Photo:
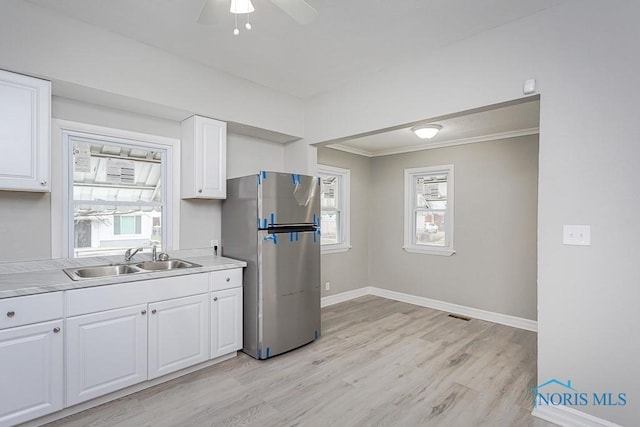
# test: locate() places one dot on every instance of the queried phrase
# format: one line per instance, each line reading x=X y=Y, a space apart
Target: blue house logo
x=569 y=396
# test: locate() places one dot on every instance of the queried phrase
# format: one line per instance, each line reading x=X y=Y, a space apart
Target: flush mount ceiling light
x=426 y=131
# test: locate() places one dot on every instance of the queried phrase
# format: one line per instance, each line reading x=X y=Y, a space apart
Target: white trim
x=409 y=210
x=430 y=250
x=432 y=145
x=569 y=417
x=345 y=208
x=344 y=296
x=334 y=249
x=351 y=150
x=476 y=313
x=60 y=195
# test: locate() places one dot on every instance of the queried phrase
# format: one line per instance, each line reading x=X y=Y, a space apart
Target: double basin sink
x=80 y=273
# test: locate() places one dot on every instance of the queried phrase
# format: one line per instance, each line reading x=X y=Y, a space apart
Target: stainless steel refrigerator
x=272 y=221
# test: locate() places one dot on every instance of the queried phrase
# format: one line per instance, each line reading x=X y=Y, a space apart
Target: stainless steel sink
x=171 y=264
x=80 y=273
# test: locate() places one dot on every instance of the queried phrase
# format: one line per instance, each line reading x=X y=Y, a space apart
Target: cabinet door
x=204 y=158
x=178 y=334
x=105 y=351
x=226 y=321
x=30 y=372
x=24 y=137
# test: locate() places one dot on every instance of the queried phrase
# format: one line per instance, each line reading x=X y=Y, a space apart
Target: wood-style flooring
x=378 y=363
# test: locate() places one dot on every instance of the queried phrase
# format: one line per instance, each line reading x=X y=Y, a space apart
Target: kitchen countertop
x=37 y=277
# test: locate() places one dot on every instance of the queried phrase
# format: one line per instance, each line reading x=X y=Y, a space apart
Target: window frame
x=410 y=209
x=63 y=133
x=344 y=201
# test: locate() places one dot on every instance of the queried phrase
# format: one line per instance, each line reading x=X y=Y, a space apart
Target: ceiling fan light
x=426 y=131
x=241 y=6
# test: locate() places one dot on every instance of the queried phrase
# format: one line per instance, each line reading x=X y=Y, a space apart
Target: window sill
x=429 y=251
x=334 y=249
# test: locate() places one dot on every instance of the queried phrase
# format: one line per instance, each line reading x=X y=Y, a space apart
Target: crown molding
x=433 y=145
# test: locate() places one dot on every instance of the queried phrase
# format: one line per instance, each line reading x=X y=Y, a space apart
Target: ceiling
x=348 y=39
x=514 y=119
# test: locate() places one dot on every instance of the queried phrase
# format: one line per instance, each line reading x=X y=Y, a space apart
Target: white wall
x=581 y=54
x=248 y=155
x=103 y=67
x=494 y=267
x=25 y=226
x=350 y=270
x=26 y=217
x=201 y=219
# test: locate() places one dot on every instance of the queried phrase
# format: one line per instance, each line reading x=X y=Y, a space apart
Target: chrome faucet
x=154 y=253
x=128 y=254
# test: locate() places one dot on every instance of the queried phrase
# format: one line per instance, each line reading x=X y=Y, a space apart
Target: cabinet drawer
x=225 y=279
x=29 y=309
x=109 y=297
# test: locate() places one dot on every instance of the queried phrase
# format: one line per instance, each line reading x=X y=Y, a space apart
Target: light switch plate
x=579 y=235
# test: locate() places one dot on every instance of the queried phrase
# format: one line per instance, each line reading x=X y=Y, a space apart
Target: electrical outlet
x=215 y=243
x=327 y=286
x=578 y=235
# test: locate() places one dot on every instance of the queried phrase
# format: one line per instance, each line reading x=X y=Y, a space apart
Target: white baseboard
x=476 y=313
x=344 y=296
x=569 y=417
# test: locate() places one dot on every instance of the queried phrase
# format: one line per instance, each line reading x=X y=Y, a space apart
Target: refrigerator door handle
x=299 y=228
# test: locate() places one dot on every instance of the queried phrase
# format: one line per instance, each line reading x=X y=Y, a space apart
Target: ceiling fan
x=213 y=11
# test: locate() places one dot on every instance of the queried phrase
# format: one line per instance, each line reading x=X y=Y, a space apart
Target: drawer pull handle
x=56 y=329
x=11 y=313
x=154 y=311
x=215 y=298
x=143 y=312
x=200 y=190
x=43 y=183
x=228 y=279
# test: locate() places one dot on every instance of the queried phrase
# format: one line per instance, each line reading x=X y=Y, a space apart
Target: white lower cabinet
x=106 y=351
x=226 y=321
x=31 y=372
x=115 y=336
x=178 y=334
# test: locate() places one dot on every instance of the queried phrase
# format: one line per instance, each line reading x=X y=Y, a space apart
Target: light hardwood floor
x=379 y=362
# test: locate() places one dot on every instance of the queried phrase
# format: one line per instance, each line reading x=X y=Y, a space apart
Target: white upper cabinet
x=204 y=158
x=25 y=115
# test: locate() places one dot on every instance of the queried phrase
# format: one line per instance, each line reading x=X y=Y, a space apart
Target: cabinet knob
x=200 y=190
x=56 y=329
x=11 y=313
x=215 y=298
x=154 y=311
x=143 y=312
x=228 y=279
x=43 y=183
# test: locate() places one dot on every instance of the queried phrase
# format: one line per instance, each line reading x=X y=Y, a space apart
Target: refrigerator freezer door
x=289 y=199
x=290 y=278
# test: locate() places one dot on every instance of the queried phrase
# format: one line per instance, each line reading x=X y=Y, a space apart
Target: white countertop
x=37 y=277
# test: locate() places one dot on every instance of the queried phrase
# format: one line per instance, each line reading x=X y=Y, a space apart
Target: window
x=117 y=197
x=428 y=224
x=127 y=224
x=334 y=209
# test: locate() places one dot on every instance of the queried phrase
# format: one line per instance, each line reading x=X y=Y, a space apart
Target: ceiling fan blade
x=212 y=12
x=299 y=10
